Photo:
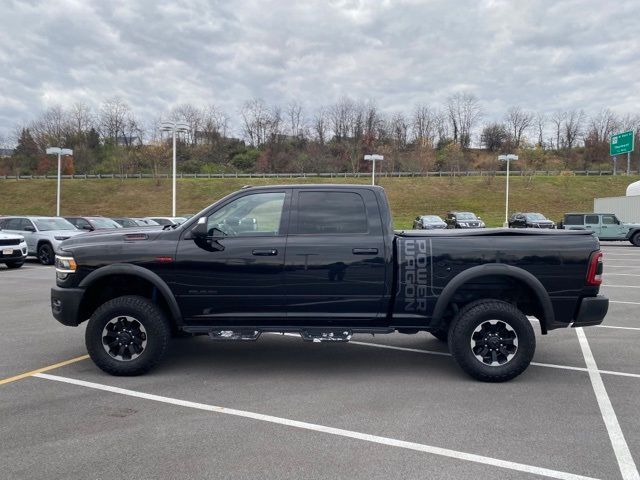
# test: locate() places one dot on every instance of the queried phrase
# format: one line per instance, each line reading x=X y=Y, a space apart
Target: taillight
x=594 y=273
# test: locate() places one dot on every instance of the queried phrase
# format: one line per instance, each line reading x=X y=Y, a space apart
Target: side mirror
x=200 y=229
x=87 y=227
x=29 y=228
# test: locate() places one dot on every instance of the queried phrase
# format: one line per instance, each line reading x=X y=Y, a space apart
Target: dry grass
x=408 y=197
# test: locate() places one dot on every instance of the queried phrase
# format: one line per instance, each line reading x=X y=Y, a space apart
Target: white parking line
x=606 y=274
x=620 y=286
x=627 y=466
x=392 y=442
x=615 y=326
x=626 y=303
x=537 y=364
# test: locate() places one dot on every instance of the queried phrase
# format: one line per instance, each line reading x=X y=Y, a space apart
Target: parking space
x=390 y=406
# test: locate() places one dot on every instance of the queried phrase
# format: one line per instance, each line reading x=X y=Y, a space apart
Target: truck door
x=592 y=223
x=611 y=228
x=235 y=275
x=335 y=265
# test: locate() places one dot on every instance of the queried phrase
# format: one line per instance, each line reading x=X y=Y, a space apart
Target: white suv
x=43 y=234
x=13 y=249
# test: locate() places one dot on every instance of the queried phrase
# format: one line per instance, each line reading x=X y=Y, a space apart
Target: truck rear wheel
x=127 y=336
x=492 y=340
x=636 y=239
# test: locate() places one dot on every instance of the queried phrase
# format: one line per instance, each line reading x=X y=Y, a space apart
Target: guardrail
x=470 y=173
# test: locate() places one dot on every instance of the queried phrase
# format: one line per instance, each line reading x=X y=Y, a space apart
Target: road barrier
x=470 y=173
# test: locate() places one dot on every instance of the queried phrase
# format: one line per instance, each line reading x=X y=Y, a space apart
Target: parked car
x=530 y=220
x=606 y=226
x=42 y=234
x=463 y=220
x=125 y=222
x=93 y=223
x=164 y=221
x=145 y=222
x=428 y=222
x=13 y=249
x=326 y=263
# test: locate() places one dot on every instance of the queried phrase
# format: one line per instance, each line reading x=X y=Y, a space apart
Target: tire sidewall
x=50 y=252
x=145 y=312
x=470 y=319
x=635 y=240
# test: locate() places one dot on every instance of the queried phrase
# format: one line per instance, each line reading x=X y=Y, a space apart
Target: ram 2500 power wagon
x=324 y=261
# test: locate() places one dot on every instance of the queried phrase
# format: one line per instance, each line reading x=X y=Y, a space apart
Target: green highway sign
x=621 y=143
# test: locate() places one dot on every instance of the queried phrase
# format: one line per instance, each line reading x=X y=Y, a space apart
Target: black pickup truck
x=324 y=261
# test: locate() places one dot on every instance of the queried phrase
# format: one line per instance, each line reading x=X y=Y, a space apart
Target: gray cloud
x=542 y=55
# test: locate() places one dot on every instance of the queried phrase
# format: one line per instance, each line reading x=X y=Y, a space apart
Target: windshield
x=535 y=216
x=46 y=224
x=103 y=223
x=466 y=216
x=431 y=219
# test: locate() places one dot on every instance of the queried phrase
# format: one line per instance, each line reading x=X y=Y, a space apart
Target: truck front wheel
x=636 y=239
x=127 y=336
x=492 y=340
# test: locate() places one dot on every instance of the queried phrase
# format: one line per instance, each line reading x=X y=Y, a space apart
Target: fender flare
x=496 y=269
x=136 y=271
x=631 y=233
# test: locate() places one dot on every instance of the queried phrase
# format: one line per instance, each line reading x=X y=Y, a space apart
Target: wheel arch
x=118 y=271
x=496 y=270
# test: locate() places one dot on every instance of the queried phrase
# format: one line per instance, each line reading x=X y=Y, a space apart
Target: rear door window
x=331 y=213
x=592 y=219
x=574 y=220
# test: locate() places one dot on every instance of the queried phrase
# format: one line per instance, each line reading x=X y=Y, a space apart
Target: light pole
x=174 y=127
x=373 y=158
x=60 y=152
x=508 y=159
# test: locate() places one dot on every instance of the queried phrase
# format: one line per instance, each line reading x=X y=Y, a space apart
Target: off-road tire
x=16 y=264
x=635 y=240
x=152 y=318
x=46 y=255
x=478 y=313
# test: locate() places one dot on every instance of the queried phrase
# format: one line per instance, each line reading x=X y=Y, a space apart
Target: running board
x=233 y=335
x=324 y=335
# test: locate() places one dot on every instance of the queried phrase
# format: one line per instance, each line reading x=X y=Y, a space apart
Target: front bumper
x=65 y=305
x=19 y=253
x=592 y=311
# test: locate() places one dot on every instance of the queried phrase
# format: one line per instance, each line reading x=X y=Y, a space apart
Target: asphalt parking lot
x=392 y=406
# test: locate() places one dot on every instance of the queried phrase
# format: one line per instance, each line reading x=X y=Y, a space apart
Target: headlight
x=463 y=224
x=65 y=265
x=481 y=224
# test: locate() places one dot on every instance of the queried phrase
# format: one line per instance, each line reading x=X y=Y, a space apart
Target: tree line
x=332 y=138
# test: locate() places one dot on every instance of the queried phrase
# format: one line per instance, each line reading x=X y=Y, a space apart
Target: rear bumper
x=592 y=311
x=65 y=305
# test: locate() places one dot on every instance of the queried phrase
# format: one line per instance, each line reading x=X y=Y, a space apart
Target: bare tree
x=572 y=128
x=255 y=119
x=81 y=118
x=113 y=116
x=541 y=123
x=340 y=118
x=192 y=116
x=464 y=112
x=518 y=121
x=423 y=126
x=51 y=128
x=295 y=119
x=557 y=119
x=320 y=126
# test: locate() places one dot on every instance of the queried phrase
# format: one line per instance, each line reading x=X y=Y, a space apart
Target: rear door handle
x=265 y=252
x=365 y=251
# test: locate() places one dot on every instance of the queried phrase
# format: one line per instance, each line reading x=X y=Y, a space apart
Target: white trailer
x=626 y=209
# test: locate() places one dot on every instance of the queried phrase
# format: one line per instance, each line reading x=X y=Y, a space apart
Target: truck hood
x=115 y=236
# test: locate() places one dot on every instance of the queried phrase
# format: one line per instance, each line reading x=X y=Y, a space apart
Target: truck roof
x=315 y=186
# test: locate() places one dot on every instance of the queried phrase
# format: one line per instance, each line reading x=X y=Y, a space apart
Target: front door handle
x=265 y=252
x=365 y=251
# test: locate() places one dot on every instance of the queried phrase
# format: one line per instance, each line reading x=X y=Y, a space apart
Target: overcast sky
x=541 y=55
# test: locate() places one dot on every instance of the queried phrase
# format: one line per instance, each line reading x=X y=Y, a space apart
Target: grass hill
x=408 y=197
